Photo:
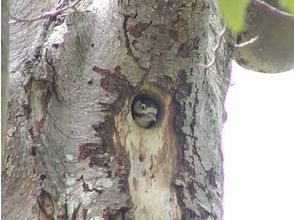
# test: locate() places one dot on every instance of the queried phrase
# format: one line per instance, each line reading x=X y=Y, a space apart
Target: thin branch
x=272 y=8
x=246 y=43
x=221 y=37
x=215 y=49
x=49 y=14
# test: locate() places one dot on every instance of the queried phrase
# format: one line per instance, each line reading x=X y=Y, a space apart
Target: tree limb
x=272 y=8
x=49 y=14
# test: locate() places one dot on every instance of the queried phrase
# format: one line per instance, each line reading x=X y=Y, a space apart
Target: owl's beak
x=152 y=117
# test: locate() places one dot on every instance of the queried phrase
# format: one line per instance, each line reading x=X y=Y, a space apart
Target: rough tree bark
x=73 y=149
x=4 y=69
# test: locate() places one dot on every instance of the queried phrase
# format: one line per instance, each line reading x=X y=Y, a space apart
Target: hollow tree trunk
x=74 y=150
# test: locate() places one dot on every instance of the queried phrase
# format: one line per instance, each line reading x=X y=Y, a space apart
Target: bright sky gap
x=258 y=146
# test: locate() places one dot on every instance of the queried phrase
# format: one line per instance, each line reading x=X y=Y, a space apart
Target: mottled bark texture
x=4 y=70
x=73 y=149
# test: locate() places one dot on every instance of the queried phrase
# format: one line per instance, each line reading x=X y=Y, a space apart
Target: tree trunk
x=4 y=70
x=74 y=150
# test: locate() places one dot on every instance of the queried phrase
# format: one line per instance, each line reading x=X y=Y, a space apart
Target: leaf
x=234 y=12
x=288 y=5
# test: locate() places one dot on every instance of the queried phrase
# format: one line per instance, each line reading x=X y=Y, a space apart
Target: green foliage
x=288 y=5
x=234 y=12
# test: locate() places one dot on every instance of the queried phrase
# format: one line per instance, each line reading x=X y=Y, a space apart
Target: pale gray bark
x=73 y=151
x=4 y=69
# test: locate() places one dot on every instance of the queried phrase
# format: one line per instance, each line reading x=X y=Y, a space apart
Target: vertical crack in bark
x=54 y=75
x=128 y=44
x=121 y=214
x=62 y=212
x=192 y=125
x=75 y=212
